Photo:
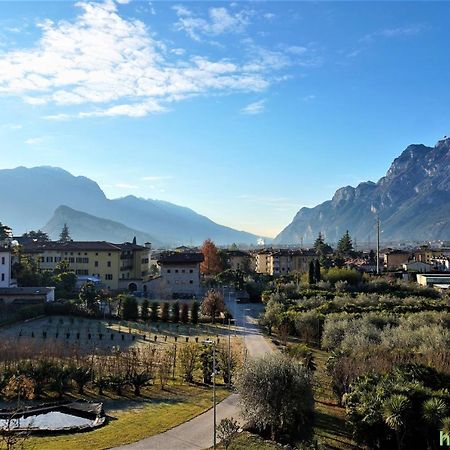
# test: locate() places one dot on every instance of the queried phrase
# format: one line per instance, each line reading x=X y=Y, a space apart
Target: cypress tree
x=317 y=276
x=154 y=313
x=311 y=272
x=194 y=312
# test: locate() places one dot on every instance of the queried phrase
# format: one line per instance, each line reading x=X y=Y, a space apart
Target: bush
x=276 y=395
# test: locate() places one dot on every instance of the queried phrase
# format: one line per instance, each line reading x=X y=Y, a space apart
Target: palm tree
x=434 y=411
x=395 y=411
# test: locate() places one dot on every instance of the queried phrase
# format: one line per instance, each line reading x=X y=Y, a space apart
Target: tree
x=344 y=248
x=130 y=308
x=36 y=236
x=227 y=362
x=176 y=312
x=211 y=264
x=65 y=235
x=184 y=313
x=88 y=295
x=165 y=312
x=154 y=312
x=213 y=304
x=145 y=310
x=194 y=312
x=317 y=275
x=276 y=394
x=5 y=232
x=188 y=357
x=311 y=278
x=65 y=284
x=207 y=360
x=81 y=375
x=226 y=431
x=395 y=411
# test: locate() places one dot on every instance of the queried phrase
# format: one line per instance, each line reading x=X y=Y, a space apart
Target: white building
x=5 y=268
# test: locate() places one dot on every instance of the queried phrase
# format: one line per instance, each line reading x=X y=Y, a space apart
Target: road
x=196 y=434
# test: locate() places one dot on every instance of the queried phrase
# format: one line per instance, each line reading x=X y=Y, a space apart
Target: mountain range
x=412 y=202
x=47 y=197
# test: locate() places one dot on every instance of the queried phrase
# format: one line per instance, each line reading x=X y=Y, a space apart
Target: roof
x=236 y=253
x=37 y=247
x=180 y=258
x=26 y=291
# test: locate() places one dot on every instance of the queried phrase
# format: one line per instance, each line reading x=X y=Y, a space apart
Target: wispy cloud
x=104 y=65
x=219 y=20
x=281 y=203
x=309 y=98
x=11 y=126
x=126 y=186
x=34 y=141
x=254 y=108
x=153 y=178
x=406 y=31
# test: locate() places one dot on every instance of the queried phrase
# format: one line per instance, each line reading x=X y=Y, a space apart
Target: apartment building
x=117 y=266
x=283 y=261
x=179 y=275
x=5 y=267
x=238 y=260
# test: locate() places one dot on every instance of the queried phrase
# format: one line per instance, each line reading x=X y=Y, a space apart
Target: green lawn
x=248 y=441
x=130 y=421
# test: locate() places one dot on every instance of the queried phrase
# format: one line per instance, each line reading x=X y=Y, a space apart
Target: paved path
x=196 y=434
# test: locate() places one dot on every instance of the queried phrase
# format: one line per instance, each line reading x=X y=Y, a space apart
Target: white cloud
x=126 y=186
x=309 y=98
x=34 y=141
x=219 y=21
x=103 y=65
x=394 y=32
x=254 y=108
x=123 y=2
x=154 y=178
x=11 y=126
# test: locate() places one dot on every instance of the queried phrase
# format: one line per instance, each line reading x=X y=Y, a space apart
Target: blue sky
x=243 y=111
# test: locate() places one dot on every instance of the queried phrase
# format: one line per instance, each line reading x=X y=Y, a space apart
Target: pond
x=69 y=417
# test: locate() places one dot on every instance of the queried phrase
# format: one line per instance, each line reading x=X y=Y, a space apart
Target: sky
x=242 y=111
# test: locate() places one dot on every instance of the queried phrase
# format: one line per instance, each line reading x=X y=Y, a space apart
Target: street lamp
x=229 y=351
x=245 y=330
x=210 y=342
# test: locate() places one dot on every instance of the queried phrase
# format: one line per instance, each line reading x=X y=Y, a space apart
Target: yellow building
x=117 y=266
x=283 y=261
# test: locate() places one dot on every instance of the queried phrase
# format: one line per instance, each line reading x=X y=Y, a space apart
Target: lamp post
x=210 y=342
x=229 y=351
x=245 y=331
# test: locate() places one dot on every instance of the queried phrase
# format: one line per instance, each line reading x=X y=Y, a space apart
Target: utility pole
x=214 y=396
x=378 y=245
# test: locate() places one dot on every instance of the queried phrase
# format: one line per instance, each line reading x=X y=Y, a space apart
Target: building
x=436 y=280
x=18 y=297
x=117 y=266
x=441 y=264
x=5 y=267
x=179 y=275
x=283 y=261
x=417 y=266
x=238 y=260
x=394 y=259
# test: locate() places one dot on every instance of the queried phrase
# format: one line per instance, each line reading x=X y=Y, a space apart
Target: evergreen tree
x=130 y=308
x=345 y=246
x=5 y=232
x=65 y=235
x=322 y=248
x=154 y=313
x=88 y=295
x=145 y=310
x=176 y=312
x=311 y=272
x=165 y=312
x=317 y=276
x=184 y=313
x=37 y=236
x=194 y=312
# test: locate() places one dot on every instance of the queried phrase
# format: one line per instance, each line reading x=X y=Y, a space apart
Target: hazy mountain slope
x=413 y=201
x=34 y=194
x=85 y=227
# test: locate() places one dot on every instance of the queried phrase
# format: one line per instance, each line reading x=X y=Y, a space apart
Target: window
x=168 y=270
x=71 y=260
x=191 y=282
x=42 y=259
x=183 y=271
x=176 y=270
x=3 y=260
x=82 y=272
x=96 y=264
x=108 y=276
x=109 y=264
x=109 y=254
x=3 y=277
x=191 y=270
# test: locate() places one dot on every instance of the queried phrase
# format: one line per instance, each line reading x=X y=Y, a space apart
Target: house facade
x=5 y=268
x=116 y=266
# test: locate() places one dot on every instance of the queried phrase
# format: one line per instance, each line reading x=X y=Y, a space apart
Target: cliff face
x=413 y=201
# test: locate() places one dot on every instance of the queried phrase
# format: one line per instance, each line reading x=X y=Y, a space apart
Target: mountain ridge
x=412 y=200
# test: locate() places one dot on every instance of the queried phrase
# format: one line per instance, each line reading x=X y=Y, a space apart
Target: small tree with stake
x=226 y=431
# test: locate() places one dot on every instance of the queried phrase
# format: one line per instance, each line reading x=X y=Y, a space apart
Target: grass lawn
x=130 y=421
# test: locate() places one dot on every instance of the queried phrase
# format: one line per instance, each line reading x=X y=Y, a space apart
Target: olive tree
x=276 y=395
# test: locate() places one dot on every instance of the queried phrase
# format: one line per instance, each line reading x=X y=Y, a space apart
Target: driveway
x=197 y=434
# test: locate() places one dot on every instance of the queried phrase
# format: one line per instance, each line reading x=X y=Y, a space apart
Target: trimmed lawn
x=130 y=421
